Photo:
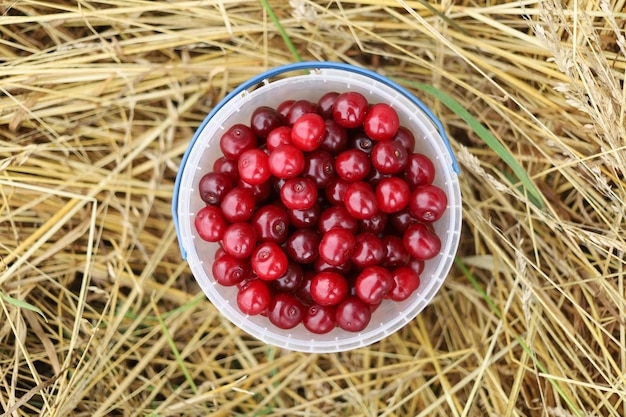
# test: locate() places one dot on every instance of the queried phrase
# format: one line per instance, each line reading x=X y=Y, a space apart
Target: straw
x=99 y=314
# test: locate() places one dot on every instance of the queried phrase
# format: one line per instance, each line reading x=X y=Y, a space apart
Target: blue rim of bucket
x=313 y=65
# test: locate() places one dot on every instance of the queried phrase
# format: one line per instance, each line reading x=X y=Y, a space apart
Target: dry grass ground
x=100 y=317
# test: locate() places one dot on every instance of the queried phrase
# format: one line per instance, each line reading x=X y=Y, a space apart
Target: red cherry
x=238 y=205
x=392 y=194
x=405 y=282
x=213 y=186
x=428 y=203
x=303 y=245
x=239 y=240
x=254 y=297
x=271 y=223
x=360 y=200
x=349 y=109
x=353 y=314
x=291 y=279
x=352 y=165
x=328 y=288
x=268 y=261
x=406 y=138
x=228 y=270
x=237 y=139
x=307 y=132
x=285 y=311
x=373 y=283
x=298 y=193
x=264 y=119
x=210 y=224
x=389 y=157
x=253 y=166
x=325 y=104
x=319 y=319
x=368 y=250
x=420 y=242
x=286 y=161
x=420 y=170
x=319 y=166
x=279 y=136
x=298 y=109
x=337 y=217
x=381 y=122
x=336 y=246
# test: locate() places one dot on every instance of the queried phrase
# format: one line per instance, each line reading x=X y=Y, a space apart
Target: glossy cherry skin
x=381 y=122
x=304 y=218
x=239 y=240
x=303 y=292
x=253 y=166
x=238 y=205
x=368 y=250
x=428 y=203
x=264 y=119
x=352 y=314
x=325 y=104
x=254 y=297
x=349 y=109
x=420 y=242
x=336 y=246
x=237 y=139
x=406 y=138
x=373 y=283
x=336 y=190
x=319 y=319
x=360 y=200
x=298 y=193
x=303 y=245
x=271 y=223
x=260 y=192
x=228 y=270
x=307 y=132
x=213 y=186
x=285 y=311
x=420 y=170
x=286 y=161
x=405 y=282
x=298 y=109
x=269 y=261
x=395 y=252
x=392 y=194
x=319 y=166
x=335 y=137
x=401 y=220
x=389 y=157
x=291 y=279
x=359 y=140
x=352 y=165
x=375 y=224
x=224 y=165
x=337 y=217
x=279 y=136
x=283 y=109
x=210 y=224
x=329 y=288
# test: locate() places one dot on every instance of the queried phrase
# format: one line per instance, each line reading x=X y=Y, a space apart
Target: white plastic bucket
x=309 y=81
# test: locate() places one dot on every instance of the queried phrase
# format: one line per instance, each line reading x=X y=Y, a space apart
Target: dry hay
x=99 y=315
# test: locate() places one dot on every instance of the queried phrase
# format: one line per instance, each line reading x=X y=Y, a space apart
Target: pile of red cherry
x=322 y=210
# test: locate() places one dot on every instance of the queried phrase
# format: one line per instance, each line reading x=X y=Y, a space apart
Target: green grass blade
x=281 y=30
x=485 y=135
x=175 y=351
x=22 y=304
